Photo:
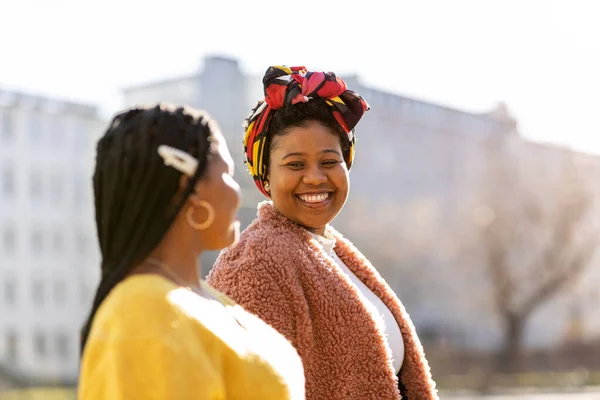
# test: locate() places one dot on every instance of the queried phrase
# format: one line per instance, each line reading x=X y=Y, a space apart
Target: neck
x=316 y=231
x=183 y=264
x=177 y=253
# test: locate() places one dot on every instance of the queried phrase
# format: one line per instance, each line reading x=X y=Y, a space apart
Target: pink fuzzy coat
x=279 y=272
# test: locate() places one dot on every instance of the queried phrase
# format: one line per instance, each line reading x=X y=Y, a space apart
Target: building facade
x=418 y=166
x=48 y=251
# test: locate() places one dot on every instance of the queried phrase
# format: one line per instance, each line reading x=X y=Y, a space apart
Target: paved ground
x=590 y=395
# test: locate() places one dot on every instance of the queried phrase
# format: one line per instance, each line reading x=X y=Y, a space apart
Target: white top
x=381 y=313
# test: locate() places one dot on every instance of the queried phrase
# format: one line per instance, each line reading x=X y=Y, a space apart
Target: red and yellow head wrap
x=285 y=86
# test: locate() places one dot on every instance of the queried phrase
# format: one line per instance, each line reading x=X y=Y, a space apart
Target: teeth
x=314 y=198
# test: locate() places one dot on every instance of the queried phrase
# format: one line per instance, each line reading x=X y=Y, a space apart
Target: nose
x=314 y=176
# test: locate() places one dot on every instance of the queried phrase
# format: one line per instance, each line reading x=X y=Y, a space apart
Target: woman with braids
x=296 y=272
x=164 y=192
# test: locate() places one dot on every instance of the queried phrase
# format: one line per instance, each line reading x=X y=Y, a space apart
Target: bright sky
x=542 y=57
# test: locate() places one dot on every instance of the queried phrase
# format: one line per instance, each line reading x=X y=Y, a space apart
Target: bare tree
x=534 y=233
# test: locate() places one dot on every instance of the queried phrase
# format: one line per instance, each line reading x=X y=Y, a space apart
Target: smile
x=315 y=198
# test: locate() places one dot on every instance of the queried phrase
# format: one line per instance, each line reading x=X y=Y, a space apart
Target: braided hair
x=136 y=195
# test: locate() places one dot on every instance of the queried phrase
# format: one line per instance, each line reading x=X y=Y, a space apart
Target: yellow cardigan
x=152 y=339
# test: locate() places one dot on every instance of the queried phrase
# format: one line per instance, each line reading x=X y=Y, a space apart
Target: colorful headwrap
x=285 y=86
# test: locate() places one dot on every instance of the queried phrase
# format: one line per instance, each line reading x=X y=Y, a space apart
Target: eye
x=330 y=163
x=295 y=165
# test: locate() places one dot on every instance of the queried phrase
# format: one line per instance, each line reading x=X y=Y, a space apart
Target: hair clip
x=178 y=159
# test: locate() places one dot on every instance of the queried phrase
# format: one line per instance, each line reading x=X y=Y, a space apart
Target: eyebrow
x=302 y=154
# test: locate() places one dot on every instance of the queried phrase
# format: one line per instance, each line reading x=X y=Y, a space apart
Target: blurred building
x=418 y=168
x=418 y=165
x=415 y=146
x=48 y=254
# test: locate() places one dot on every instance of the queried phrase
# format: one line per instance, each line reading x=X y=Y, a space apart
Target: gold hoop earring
x=209 y=220
x=266 y=185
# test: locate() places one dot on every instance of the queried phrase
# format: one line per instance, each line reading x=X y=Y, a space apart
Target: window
x=6 y=125
x=35 y=185
x=84 y=294
x=40 y=345
x=37 y=242
x=56 y=189
x=57 y=130
x=10 y=292
x=82 y=243
x=8 y=181
x=35 y=128
x=9 y=240
x=37 y=291
x=79 y=189
x=62 y=346
x=12 y=347
x=58 y=242
x=60 y=293
x=79 y=135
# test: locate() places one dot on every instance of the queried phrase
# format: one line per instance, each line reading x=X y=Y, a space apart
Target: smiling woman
x=307 y=177
x=295 y=271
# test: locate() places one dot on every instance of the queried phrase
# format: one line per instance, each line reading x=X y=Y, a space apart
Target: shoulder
x=145 y=344
x=358 y=263
x=264 y=241
x=270 y=242
x=126 y=311
x=345 y=246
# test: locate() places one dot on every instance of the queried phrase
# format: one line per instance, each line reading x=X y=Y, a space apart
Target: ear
x=200 y=192
x=193 y=198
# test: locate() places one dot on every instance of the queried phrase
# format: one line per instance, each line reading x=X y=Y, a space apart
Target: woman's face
x=218 y=188
x=308 y=178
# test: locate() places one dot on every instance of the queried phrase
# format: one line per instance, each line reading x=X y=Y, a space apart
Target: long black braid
x=135 y=193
